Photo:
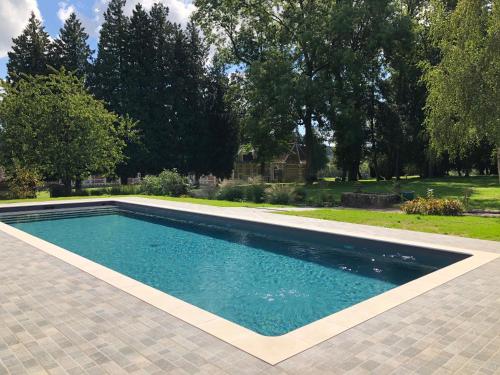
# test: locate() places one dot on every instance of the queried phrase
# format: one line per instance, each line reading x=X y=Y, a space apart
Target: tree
x=189 y=84
x=219 y=142
x=52 y=125
x=281 y=46
x=304 y=67
x=160 y=135
x=462 y=105
x=71 y=49
x=109 y=75
x=30 y=51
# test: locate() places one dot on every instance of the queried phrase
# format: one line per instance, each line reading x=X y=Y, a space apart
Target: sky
x=14 y=16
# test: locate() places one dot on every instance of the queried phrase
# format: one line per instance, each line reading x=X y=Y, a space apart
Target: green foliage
x=433 y=206
x=23 y=182
x=58 y=190
x=109 y=73
x=156 y=72
x=30 y=51
x=462 y=105
x=280 y=194
x=231 y=192
x=52 y=124
x=301 y=65
x=70 y=49
x=255 y=192
x=168 y=182
x=466 y=197
x=323 y=199
x=466 y=226
x=300 y=194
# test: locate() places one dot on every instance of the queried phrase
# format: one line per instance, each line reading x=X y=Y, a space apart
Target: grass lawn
x=486 y=190
x=466 y=226
x=44 y=196
x=485 y=228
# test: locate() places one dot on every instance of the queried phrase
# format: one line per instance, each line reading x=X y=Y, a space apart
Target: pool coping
x=269 y=349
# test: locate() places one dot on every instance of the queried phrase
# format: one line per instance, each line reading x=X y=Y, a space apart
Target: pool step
x=56 y=214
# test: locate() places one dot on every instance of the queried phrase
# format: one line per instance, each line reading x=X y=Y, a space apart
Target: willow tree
x=464 y=87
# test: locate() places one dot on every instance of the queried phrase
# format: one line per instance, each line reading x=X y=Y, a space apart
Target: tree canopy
x=51 y=124
x=30 y=51
x=393 y=87
x=462 y=105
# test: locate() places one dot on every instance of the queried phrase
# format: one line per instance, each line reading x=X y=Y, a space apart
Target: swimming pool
x=269 y=279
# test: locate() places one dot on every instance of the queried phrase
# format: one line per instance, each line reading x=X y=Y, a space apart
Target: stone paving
x=57 y=319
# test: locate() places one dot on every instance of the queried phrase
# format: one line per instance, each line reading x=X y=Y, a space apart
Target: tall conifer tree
x=163 y=142
x=190 y=55
x=30 y=51
x=108 y=80
x=137 y=88
x=71 y=49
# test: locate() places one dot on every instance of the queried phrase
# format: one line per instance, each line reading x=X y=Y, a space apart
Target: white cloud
x=65 y=11
x=14 y=15
x=179 y=12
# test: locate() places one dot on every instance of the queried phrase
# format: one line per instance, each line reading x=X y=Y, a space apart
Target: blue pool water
x=268 y=284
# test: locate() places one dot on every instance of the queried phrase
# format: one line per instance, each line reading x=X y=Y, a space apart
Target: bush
x=255 y=192
x=323 y=199
x=433 y=206
x=168 y=182
x=231 y=192
x=98 y=192
x=57 y=190
x=125 y=190
x=280 y=194
x=300 y=194
x=205 y=192
x=23 y=183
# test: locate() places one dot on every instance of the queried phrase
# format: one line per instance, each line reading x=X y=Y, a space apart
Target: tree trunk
x=353 y=171
x=78 y=184
x=67 y=186
x=309 y=143
x=263 y=171
x=397 y=167
x=498 y=163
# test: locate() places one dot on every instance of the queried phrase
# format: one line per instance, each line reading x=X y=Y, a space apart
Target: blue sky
x=14 y=15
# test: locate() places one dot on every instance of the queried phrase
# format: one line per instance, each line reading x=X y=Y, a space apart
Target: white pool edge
x=269 y=349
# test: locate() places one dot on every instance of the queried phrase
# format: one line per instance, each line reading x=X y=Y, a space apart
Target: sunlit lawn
x=486 y=228
x=485 y=189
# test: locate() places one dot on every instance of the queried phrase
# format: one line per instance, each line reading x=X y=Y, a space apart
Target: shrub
x=168 y=182
x=23 y=183
x=433 y=206
x=466 y=198
x=57 y=190
x=323 y=199
x=280 y=194
x=299 y=194
x=255 y=192
x=99 y=192
x=205 y=192
x=231 y=192
x=125 y=189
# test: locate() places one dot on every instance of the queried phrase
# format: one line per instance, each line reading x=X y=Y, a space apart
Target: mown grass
x=486 y=228
x=485 y=189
